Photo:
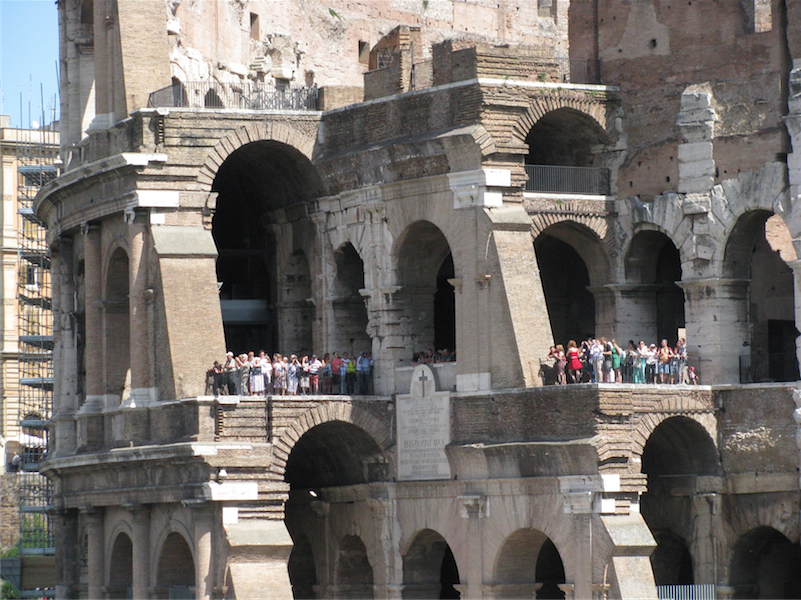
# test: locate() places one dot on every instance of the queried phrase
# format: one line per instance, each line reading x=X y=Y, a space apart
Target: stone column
x=203 y=517
x=65 y=355
x=718 y=329
x=605 y=312
x=67 y=558
x=578 y=498
x=473 y=508
x=704 y=544
x=696 y=121
x=635 y=314
x=93 y=360
x=389 y=582
x=141 y=552
x=143 y=391
x=95 y=553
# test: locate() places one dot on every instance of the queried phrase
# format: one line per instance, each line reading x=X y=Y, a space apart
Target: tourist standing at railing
x=651 y=360
x=256 y=377
x=279 y=375
x=574 y=365
x=617 y=354
x=229 y=373
x=336 y=374
x=326 y=374
x=364 y=367
x=304 y=376
x=664 y=354
x=344 y=363
x=266 y=372
x=292 y=375
x=350 y=376
x=681 y=361
x=314 y=374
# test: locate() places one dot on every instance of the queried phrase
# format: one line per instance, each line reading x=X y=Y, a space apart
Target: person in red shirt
x=336 y=378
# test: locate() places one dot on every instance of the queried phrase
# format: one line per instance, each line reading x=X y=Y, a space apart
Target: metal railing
x=686 y=592
x=764 y=368
x=249 y=96
x=579 y=70
x=567 y=180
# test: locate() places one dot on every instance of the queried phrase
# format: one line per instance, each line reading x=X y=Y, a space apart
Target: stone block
x=696 y=204
x=694 y=152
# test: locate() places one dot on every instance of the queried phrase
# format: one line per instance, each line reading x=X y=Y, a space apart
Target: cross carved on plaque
x=423 y=378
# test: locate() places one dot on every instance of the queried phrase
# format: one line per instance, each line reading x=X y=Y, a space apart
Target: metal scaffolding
x=37 y=156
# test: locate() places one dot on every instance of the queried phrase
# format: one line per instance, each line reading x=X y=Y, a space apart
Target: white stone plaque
x=424 y=429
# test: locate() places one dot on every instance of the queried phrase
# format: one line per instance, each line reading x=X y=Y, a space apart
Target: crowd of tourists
x=604 y=361
x=259 y=375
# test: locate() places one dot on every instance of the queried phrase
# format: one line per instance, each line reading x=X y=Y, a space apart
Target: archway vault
x=253 y=132
x=595 y=109
x=329 y=412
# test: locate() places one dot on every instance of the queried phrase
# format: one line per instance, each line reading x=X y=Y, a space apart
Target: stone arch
x=353 y=573
x=120 y=566
x=652 y=267
x=253 y=132
x=349 y=309
x=429 y=567
x=528 y=564
x=539 y=106
x=342 y=420
x=755 y=259
x=684 y=408
x=573 y=268
x=423 y=264
x=175 y=564
x=765 y=564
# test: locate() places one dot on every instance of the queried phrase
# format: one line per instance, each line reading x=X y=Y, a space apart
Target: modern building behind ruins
x=393 y=176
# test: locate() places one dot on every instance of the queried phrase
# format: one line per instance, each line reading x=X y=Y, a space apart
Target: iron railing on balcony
x=686 y=592
x=579 y=70
x=567 y=180
x=764 y=368
x=249 y=96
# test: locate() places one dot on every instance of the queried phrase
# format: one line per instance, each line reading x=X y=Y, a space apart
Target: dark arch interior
x=766 y=564
x=335 y=454
x=564 y=137
x=529 y=557
x=254 y=181
x=679 y=446
x=654 y=260
x=676 y=451
x=354 y=574
x=671 y=560
x=117 y=329
x=565 y=279
x=350 y=311
x=771 y=303
x=302 y=572
x=175 y=573
x=429 y=568
x=121 y=568
x=425 y=264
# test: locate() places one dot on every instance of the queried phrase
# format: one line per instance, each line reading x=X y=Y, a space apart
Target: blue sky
x=28 y=59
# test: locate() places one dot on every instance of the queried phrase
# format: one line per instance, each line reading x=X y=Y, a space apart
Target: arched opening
x=212 y=100
x=262 y=267
x=116 y=330
x=676 y=453
x=425 y=265
x=765 y=564
x=354 y=575
x=757 y=251
x=562 y=154
x=429 y=568
x=671 y=560
x=175 y=573
x=529 y=566
x=350 y=311
x=572 y=267
x=655 y=301
x=302 y=572
x=120 y=580
x=335 y=453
